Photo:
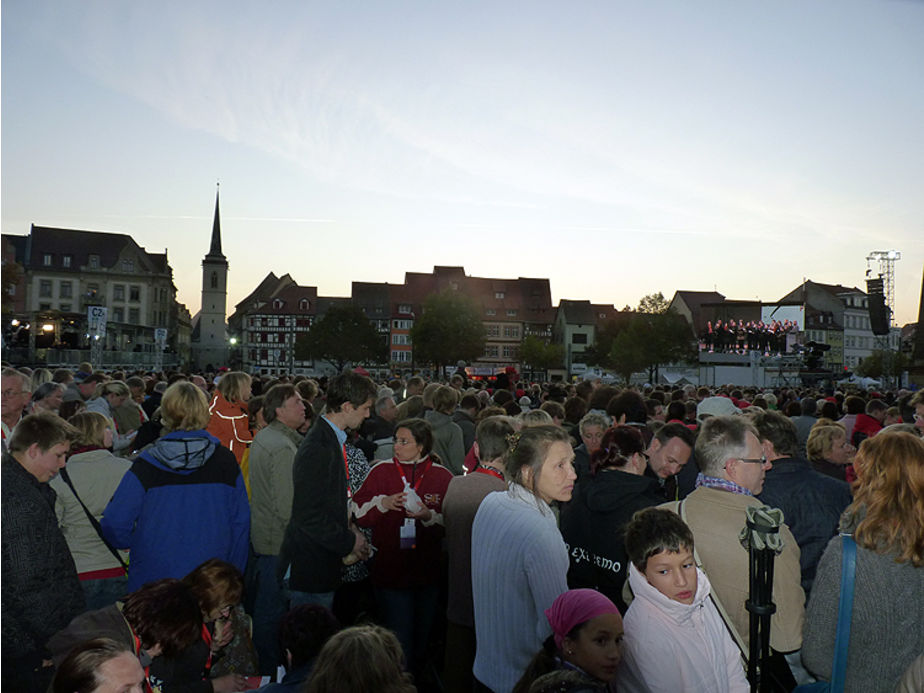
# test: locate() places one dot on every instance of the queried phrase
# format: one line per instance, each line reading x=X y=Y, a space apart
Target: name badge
x=409 y=534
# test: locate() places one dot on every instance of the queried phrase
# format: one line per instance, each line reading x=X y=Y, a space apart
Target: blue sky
x=617 y=148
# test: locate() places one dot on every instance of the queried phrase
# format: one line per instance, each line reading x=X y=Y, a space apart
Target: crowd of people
x=208 y=532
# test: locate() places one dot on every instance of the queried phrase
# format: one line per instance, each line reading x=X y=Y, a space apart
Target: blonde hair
x=91 y=427
x=889 y=496
x=113 y=387
x=184 y=407
x=821 y=438
x=234 y=385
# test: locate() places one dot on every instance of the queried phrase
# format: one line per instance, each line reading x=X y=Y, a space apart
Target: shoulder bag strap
x=93 y=521
x=844 y=612
x=729 y=626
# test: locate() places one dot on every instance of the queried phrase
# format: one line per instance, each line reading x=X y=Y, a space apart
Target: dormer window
x=404 y=308
x=304 y=304
x=278 y=303
x=128 y=265
x=46 y=259
x=94 y=262
x=499 y=295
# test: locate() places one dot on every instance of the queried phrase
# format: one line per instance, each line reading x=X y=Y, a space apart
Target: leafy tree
x=540 y=354
x=653 y=303
x=883 y=363
x=344 y=335
x=641 y=341
x=449 y=330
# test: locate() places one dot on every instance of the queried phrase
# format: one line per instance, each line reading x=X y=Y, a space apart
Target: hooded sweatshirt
x=182 y=502
x=592 y=525
x=670 y=646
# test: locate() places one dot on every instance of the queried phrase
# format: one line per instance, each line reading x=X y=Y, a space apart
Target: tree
x=449 y=330
x=883 y=363
x=540 y=355
x=653 y=303
x=344 y=335
x=641 y=341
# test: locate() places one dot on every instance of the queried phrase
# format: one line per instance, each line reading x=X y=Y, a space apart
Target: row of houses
x=52 y=276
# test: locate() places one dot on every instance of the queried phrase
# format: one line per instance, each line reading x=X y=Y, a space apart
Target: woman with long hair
x=515 y=536
x=886 y=520
x=402 y=501
x=86 y=484
x=228 y=417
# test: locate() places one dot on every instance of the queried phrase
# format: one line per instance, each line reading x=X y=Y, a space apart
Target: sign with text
x=96 y=320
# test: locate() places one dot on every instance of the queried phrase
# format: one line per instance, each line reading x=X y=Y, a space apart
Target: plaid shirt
x=721 y=484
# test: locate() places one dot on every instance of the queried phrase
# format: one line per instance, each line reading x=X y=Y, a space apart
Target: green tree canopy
x=540 y=355
x=640 y=341
x=449 y=330
x=344 y=335
x=653 y=303
x=882 y=363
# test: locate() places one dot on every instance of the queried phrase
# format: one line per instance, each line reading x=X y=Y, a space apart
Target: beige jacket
x=716 y=518
x=272 y=454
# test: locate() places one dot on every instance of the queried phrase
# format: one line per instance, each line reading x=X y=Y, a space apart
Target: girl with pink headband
x=586 y=638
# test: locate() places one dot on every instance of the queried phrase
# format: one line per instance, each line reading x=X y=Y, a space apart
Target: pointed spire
x=215 y=249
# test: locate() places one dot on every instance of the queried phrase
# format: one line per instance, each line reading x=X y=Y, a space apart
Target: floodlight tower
x=886 y=260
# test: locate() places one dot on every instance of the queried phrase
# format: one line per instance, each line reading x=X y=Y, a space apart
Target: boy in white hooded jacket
x=675 y=639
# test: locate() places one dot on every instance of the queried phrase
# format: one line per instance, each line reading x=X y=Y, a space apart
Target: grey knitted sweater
x=887 y=628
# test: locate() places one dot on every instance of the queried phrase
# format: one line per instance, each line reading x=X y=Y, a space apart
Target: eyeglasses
x=13 y=393
x=404 y=441
x=754 y=460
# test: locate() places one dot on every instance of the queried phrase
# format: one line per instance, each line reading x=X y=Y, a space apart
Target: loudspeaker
x=878 y=313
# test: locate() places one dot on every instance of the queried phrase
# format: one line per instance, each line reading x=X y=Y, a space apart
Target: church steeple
x=215 y=249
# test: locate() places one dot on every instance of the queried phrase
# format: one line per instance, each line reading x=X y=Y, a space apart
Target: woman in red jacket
x=228 y=417
x=402 y=501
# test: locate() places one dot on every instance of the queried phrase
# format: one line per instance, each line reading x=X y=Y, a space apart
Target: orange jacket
x=229 y=422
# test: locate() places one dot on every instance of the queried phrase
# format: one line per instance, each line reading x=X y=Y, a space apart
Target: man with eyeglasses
x=811 y=502
x=16 y=395
x=733 y=466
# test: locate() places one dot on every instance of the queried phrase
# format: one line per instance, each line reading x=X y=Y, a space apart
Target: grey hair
x=722 y=438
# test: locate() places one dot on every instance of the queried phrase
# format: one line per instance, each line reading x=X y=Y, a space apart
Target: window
x=491 y=350
x=277 y=304
x=118 y=292
x=303 y=304
x=46 y=259
x=134 y=293
x=511 y=331
x=490 y=311
x=92 y=290
x=401 y=339
x=499 y=295
x=134 y=316
x=401 y=356
x=66 y=260
x=94 y=262
x=404 y=308
x=128 y=265
x=118 y=315
x=44 y=306
x=510 y=352
x=45 y=288
x=65 y=308
x=493 y=330
x=402 y=324
x=511 y=312
x=579 y=338
x=65 y=290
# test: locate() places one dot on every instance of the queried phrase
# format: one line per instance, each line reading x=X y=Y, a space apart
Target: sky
x=617 y=148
